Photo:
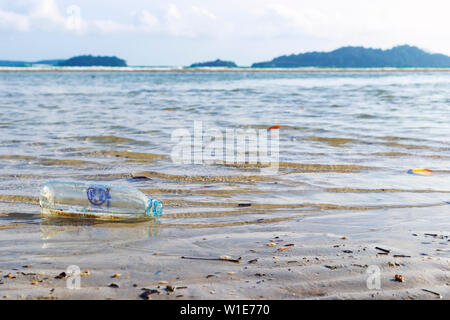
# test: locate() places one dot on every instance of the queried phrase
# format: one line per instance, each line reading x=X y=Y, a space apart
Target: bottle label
x=98 y=195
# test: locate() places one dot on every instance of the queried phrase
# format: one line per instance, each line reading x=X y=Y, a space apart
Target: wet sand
x=308 y=257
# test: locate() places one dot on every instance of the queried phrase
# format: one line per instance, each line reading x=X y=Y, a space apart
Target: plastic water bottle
x=98 y=201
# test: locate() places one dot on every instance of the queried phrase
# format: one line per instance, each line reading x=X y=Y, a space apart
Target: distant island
x=90 y=61
x=79 y=61
x=216 y=63
x=359 y=57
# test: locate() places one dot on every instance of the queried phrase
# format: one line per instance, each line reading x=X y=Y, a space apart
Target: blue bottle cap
x=154 y=208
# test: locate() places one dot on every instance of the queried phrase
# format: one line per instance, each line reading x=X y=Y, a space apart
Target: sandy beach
x=324 y=257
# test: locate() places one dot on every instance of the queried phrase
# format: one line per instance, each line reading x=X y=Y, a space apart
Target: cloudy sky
x=175 y=32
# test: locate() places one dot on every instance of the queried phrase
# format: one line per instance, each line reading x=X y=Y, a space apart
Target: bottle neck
x=154 y=208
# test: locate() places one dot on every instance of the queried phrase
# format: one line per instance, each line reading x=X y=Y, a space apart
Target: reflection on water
x=54 y=230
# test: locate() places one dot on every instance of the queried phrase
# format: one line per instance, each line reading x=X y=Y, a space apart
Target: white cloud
x=110 y=26
x=13 y=20
x=173 y=13
x=48 y=10
x=203 y=12
x=147 y=19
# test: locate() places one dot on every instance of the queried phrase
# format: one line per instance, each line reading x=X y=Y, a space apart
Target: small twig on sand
x=435 y=293
x=401 y=256
x=225 y=258
x=384 y=250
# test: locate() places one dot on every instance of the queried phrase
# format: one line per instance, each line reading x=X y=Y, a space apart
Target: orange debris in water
x=278 y=126
x=423 y=172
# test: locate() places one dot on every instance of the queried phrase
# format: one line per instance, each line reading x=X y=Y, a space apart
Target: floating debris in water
x=278 y=126
x=244 y=205
x=422 y=172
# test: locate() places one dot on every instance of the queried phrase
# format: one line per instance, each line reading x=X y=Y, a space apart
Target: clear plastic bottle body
x=96 y=201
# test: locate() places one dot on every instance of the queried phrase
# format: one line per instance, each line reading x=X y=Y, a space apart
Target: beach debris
x=384 y=250
x=170 y=288
x=62 y=275
x=27 y=266
x=422 y=172
x=210 y=276
x=360 y=265
x=116 y=275
x=113 y=285
x=85 y=273
x=334 y=267
x=34 y=283
x=147 y=293
x=212 y=292
x=222 y=258
x=286 y=247
x=138 y=177
x=163 y=282
x=271 y=244
x=399 y=278
x=394 y=264
x=432 y=292
x=401 y=256
x=244 y=204
x=180 y=288
x=231 y=273
x=347 y=251
x=344 y=238
x=253 y=261
x=278 y=126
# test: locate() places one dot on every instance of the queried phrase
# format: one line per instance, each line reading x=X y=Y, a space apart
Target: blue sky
x=245 y=31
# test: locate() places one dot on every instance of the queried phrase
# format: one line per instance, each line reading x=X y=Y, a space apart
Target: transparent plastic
x=98 y=201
